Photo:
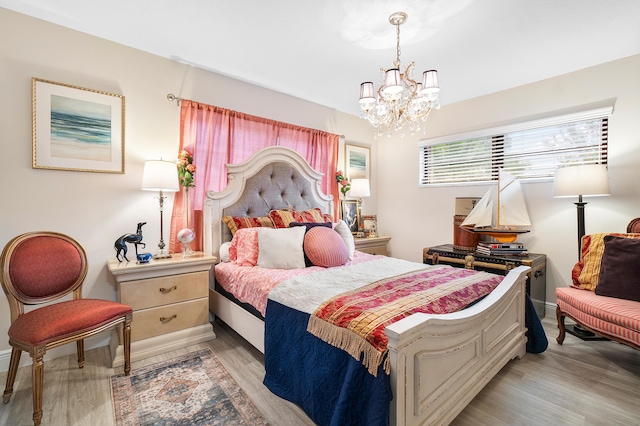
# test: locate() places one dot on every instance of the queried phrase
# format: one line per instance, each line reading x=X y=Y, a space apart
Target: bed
x=437 y=363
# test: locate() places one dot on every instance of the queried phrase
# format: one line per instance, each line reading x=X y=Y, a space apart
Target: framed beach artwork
x=357 y=162
x=76 y=128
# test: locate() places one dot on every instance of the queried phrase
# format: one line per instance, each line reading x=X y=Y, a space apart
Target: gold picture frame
x=76 y=129
x=370 y=225
x=351 y=215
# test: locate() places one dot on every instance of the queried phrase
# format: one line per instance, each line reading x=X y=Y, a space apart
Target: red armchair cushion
x=54 y=322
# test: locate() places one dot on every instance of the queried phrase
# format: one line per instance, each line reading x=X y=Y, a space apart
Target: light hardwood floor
x=578 y=383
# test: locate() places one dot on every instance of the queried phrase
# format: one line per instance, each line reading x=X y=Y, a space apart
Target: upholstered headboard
x=273 y=178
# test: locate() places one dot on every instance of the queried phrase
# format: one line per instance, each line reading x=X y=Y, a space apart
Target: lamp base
x=162 y=254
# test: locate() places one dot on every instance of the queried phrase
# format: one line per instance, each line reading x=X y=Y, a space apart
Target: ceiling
x=322 y=50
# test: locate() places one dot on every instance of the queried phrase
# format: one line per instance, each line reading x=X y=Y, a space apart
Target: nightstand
x=373 y=245
x=170 y=301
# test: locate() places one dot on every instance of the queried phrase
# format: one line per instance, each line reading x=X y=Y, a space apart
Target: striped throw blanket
x=355 y=321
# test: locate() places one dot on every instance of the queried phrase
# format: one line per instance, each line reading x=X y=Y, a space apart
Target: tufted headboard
x=273 y=178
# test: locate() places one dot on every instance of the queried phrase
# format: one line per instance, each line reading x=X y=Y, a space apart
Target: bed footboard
x=439 y=363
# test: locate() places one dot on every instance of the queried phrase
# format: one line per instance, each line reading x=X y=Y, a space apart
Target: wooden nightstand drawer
x=165 y=319
x=160 y=291
x=373 y=245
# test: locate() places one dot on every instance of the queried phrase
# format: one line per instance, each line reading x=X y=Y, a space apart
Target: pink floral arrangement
x=343 y=182
x=186 y=169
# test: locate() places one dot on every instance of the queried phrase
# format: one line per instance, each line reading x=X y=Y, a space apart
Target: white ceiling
x=322 y=50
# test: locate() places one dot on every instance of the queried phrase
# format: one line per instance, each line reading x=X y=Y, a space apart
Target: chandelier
x=400 y=100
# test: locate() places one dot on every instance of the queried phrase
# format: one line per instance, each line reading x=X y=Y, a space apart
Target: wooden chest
x=536 y=280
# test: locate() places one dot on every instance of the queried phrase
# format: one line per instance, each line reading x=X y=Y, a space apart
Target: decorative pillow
x=619 y=269
x=308 y=226
x=586 y=272
x=243 y=250
x=224 y=252
x=282 y=218
x=234 y=223
x=281 y=248
x=342 y=228
x=325 y=247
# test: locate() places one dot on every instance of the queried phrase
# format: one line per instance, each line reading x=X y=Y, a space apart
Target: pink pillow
x=244 y=247
x=325 y=247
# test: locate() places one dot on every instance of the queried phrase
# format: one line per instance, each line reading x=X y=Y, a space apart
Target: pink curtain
x=217 y=137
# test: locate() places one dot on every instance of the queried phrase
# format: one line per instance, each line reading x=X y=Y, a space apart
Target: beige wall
x=422 y=217
x=96 y=208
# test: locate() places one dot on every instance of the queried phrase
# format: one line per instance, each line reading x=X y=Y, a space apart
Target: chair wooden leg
x=11 y=374
x=560 y=318
x=126 y=333
x=80 y=346
x=37 y=371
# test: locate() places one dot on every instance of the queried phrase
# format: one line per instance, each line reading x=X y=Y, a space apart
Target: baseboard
x=100 y=339
x=159 y=344
x=549 y=310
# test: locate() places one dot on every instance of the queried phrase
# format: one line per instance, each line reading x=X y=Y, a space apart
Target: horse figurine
x=135 y=239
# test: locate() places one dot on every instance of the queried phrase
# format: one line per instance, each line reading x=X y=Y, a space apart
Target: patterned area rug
x=192 y=389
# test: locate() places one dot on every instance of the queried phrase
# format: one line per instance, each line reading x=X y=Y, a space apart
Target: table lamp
x=160 y=176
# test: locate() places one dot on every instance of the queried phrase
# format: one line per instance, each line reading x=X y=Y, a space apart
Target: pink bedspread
x=251 y=284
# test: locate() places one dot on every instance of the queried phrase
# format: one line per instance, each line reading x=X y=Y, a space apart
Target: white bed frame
x=439 y=363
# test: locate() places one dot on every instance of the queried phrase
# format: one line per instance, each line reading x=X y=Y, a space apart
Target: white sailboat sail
x=502 y=207
x=513 y=210
x=483 y=212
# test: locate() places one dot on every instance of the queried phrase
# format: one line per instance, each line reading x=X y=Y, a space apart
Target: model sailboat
x=501 y=213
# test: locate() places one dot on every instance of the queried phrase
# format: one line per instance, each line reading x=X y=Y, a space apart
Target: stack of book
x=501 y=249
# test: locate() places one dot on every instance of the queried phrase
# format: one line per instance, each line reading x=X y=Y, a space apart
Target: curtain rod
x=171 y=97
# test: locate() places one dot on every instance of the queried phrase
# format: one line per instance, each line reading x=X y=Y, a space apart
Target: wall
x=427 y=212
x=96 y=208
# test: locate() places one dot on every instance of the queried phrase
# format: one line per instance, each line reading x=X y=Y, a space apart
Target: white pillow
x=281 y=248
x=224 y=252
x=342 y=228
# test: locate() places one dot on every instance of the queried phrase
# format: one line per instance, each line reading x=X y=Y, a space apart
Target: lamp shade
x=367 y=94
x=392 y=81
x=360 y=188
x=159 y=175
x=430 y=82
x=586 y=180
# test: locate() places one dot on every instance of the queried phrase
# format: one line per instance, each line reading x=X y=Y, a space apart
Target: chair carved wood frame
x=39 y=268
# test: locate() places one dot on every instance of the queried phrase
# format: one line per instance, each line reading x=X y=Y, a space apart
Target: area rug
x=192 y=389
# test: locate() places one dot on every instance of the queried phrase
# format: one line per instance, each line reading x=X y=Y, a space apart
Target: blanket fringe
x=353 y=344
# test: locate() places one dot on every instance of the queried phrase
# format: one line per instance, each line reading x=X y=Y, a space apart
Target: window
x=529 y=150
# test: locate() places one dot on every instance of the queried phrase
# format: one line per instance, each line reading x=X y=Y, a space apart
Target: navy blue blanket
x=326 y=382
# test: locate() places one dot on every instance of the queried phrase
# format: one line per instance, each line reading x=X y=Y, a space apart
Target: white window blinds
x=530 y=150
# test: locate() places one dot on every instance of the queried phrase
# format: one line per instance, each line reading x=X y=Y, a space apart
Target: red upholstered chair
x=38 y=268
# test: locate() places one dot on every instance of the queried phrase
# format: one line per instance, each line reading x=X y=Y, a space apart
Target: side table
x=372 y=245
x=170 y=301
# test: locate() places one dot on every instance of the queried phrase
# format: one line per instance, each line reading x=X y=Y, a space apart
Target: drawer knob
x=168 y=290
x=167 y=319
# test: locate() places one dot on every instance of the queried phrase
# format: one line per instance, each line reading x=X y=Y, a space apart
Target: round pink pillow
x=325 y=247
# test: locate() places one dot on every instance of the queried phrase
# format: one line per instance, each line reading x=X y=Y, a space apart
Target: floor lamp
x=585 y=180
x=160 y=176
